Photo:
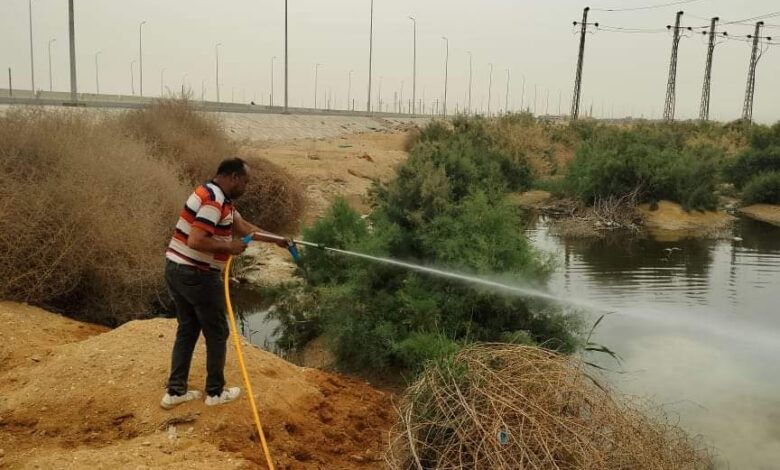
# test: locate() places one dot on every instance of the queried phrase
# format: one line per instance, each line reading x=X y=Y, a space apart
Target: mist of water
x=526 y=291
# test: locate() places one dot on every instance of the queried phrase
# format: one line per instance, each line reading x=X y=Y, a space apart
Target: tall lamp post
x=97 y=74
x=316 y=77
x=132 y=77
x=272 y=80
x=446 y=71
x=140 y=59
x=50 y=81
x=216 y=51
x=32 y=60
x=470 y=73
x=370 y=55
x=414 y=66
x=490 y=89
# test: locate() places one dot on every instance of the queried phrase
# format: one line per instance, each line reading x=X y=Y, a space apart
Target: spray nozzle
x=293 y=251
x=246 y=239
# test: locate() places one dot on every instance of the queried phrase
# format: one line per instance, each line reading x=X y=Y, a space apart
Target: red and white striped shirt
x=210 y=210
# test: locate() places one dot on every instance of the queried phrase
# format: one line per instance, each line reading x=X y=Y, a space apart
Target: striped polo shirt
x=210 y=210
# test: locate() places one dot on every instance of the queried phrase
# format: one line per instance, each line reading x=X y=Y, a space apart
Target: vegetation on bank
x=93 y=200
x=446 y=208
x=756 y=171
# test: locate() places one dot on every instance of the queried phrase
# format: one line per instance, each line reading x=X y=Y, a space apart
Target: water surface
x=697 y=324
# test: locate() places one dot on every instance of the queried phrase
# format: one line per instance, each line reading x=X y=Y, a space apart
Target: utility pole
x=32 y=60
x=490 y=89
x=140 y=60
x=10 y=83
x=470 y=70
x=285 y=56
x=672 y=83
x=575 y=102
x=747 y=110
x=704 y=108
x=414 y=66
x=50 y=81
x=370 y=55
x=162 y=82
x=72 y=31
x=446 y=72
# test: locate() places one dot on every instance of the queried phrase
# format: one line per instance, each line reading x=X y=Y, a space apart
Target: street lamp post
x=414 y=66
x=470 y=70
x=349 y=89
x=132 y=77
x=183 y=83
x=490 y=89
x=522 y=96
x=97 y=75
x=506 y=97
x=272 y=80
x=50 y=81
x=446 y=71
x=370 y=55
x=162 y=82
x=216 y=51
x=32 y=60
x=140 y=59
x=316 y=77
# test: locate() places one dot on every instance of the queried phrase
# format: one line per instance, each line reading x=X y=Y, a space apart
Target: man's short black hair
x=231 y=166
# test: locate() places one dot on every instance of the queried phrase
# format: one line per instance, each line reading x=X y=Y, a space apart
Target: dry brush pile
x=511 y=406
x=90 y=201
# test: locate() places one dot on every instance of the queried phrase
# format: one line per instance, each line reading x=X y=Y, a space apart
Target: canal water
x=697 y=325
x=695 y=322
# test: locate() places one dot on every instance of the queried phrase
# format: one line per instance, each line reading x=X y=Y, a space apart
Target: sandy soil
x=671 y=221
x=79 y=396
x=327 y=168
x=342 y=166
x=764 y=212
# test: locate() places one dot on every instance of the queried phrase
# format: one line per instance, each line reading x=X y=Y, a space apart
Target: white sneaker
x=228 y=395
x=169 y=401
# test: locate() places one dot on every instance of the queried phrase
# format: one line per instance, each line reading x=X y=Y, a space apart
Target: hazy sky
x=624 y=72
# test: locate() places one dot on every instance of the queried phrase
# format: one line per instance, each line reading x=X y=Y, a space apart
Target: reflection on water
x=697 y=325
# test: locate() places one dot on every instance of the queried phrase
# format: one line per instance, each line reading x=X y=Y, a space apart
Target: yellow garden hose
x=247 y=383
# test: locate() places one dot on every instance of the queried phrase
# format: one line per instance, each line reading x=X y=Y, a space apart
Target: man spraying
x=208 y=231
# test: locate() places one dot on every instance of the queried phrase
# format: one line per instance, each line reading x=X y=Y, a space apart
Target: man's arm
x=201 y=240
x=241 y=228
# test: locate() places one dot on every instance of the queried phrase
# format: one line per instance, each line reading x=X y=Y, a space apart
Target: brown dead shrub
x=91 y=214
x=177 y=133
x=511 y=406
x=274 y=200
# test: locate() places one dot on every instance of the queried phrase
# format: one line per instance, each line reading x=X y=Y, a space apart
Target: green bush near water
x=446 y=208
x=654 y=160
x=764 y=188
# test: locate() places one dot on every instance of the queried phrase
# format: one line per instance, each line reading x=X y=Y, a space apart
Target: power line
x=647 y=7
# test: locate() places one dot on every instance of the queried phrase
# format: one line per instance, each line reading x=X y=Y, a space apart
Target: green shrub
x=651 y=159
x=764 y=188
x=751 y=163
x=445 y=208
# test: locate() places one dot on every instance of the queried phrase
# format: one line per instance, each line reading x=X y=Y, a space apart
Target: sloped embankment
x=73 y=395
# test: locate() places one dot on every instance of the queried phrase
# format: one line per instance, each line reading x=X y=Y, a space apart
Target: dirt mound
x=670 y=220
x=764 y=212
x=99 y=396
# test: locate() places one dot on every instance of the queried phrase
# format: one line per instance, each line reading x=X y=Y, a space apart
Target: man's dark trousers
x=200 y=306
